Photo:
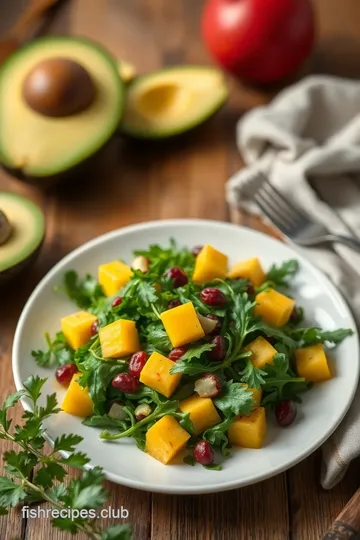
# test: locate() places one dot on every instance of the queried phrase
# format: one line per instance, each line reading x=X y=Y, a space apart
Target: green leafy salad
x=184 y=355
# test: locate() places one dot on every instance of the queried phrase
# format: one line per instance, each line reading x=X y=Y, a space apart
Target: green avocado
x=172 y=101
x=22 y=230
x=61 y=100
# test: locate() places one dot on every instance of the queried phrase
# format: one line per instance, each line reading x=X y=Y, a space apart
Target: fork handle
x=348 y=241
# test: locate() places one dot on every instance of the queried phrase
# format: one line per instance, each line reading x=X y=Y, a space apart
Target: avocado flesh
x=39 y=146
x=172 y=101
x=28 y=229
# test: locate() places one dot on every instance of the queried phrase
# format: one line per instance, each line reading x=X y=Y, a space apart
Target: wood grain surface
x=185 y=178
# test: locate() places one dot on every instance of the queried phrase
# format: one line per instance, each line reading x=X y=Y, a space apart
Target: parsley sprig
x=24 y=485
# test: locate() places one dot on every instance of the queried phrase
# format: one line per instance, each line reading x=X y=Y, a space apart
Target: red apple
x=260 y=41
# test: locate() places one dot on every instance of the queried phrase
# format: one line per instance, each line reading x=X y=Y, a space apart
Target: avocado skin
x=10 y=273
x=85 y=168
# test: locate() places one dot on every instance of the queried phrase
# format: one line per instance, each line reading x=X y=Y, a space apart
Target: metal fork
x=293 y=223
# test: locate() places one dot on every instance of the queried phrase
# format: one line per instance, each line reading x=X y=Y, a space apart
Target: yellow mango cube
x=165 y=439
x=77 y=400
x=262 y=352
x=156 y=374
x=210 y=264
x=203 y=413
x=275 y=308
x=256 y=394
x=119 y=338
x=249 y=431
x=113 y=276
x=77 y=328
x=312 y=364
x=182 y=324
x=250 y=269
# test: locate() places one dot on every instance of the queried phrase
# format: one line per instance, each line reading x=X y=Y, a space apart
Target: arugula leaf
x=234 y=400
x=156 y=338
x=252 y=376
x=279 y=275
x=10 y=492
x=77 y=460
x=189 y=460
x=66 y=443
x=58 y=353
x=280 y=382
x=162 y=259
x=117 y=532
x=213 y=467
x=191 y=362
x=311 y=336
x=85 y=292
x=104 y=420
x=87 y=491
x=217 y=437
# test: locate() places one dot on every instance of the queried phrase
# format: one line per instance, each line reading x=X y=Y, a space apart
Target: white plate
x=322 y=409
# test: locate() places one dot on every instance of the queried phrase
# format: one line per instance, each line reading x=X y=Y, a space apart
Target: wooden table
x=176 y=179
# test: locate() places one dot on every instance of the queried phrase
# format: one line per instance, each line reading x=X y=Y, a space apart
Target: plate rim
x=211 y=488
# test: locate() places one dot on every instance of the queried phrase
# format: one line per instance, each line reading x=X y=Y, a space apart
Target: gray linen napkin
x=307 y=142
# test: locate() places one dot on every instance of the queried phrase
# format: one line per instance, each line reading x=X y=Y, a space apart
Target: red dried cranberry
x=213 y=297
x=177 y=353
x=178 y=276
x=217 y=328
x=117 y=301
x=209 y=385
x=204 y=453
x=125 y=382
x=94 y=328
x=285 y=412
x=218 y=352
x=137 y=362
x=295 y=315
x=174 y=303
x=196 y=250
x=65 y=373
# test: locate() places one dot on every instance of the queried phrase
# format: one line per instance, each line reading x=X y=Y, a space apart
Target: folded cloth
x=307 y=143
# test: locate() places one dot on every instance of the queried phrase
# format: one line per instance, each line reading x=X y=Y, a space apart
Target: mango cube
x=312 y=364
x=156 y=374
x=210 y=264
x=77 y=328
x=249 y=431
x=275 y=308
x=262 y=352
x=77 y=400
x=182 y=324
x=203 y=413
x=119 y=338
x=165 y=439
x=113 y=276
x=250 y=269
x=256 y=394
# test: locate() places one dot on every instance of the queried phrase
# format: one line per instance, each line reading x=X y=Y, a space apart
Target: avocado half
x=22 y=231
x=38 y=147
x=172 y=101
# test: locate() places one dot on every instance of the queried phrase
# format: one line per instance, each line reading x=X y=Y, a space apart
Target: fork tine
x=280 y=203
x=287 y=204
x=272 y=213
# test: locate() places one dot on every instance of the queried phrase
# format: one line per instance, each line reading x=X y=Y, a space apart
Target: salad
x=184 y=355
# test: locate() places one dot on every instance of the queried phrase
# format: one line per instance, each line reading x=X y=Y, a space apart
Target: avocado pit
x=58 y=87
x=5 y=228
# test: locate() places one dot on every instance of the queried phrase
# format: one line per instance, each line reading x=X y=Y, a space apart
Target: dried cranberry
x=137 y=362
x=295 y=315
x=285 y=412
x=217 y=328
x=218 y=352
x=174 y=303
x=177 y=353
x=65 y=373
x=204 y=453
x=126 y=383
x=196 y=250
x=178 y=276
x=209 y=385
x=117 y=301
x=251 y=290
x=213 y=297
x=94 y=328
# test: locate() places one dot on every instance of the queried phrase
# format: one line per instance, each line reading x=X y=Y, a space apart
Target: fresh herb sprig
x=25 y=484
